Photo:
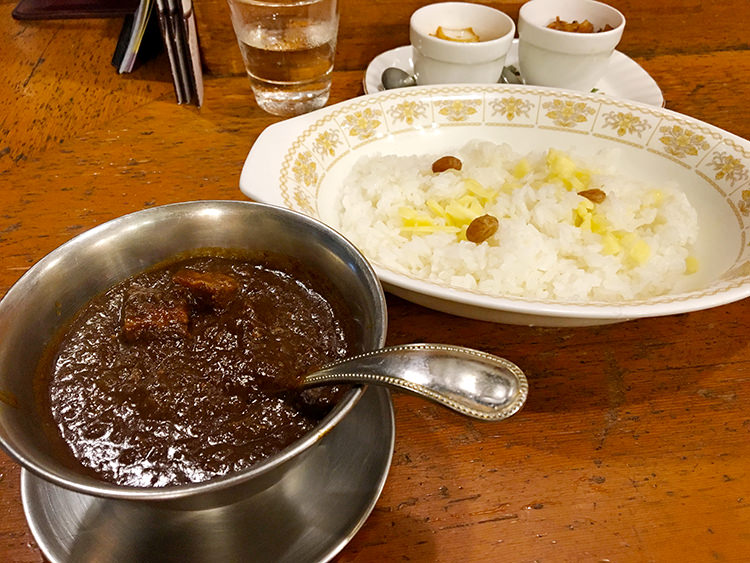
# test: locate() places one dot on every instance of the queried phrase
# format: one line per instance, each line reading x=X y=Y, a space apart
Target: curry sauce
x=189 y=371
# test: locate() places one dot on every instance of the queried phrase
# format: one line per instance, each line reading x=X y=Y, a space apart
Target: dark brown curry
x=187 y=371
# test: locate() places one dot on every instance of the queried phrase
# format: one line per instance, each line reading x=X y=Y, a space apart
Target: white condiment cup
x=441 y=61
x=564 y=59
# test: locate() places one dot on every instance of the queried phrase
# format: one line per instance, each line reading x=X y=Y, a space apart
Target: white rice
x=538 y=251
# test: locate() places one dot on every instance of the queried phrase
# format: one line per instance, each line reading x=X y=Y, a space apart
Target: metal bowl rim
x=91 y=486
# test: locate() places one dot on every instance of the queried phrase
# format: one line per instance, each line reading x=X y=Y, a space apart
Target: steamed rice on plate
x=558 y=227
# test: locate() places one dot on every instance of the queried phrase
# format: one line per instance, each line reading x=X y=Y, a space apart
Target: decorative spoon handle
x=468 y=381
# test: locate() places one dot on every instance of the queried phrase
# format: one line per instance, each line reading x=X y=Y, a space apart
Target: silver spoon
x=471 y=382
x=511 y=76
x=393 y=77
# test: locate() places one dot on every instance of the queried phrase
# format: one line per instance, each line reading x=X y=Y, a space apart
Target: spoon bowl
x=468 y=381
x=394 y=77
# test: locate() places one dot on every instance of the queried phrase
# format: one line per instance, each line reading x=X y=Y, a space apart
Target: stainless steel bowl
x=58 y=285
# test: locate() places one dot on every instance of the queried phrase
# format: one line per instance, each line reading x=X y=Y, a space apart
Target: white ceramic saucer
x=624 y=79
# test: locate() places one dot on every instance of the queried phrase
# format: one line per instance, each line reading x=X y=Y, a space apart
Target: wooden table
x=634 y=444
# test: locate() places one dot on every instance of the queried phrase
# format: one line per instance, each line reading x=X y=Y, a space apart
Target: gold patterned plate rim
x=300 y=164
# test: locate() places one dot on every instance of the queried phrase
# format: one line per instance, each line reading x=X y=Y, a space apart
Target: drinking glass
x=288 y=47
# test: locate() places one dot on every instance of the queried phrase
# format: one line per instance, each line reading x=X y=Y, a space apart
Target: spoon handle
x=468 y=381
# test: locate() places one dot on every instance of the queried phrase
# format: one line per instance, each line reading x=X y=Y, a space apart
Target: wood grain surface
x=634 y=444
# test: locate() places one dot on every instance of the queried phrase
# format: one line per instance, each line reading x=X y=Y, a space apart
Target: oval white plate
x=301 y=163
x=624 y=78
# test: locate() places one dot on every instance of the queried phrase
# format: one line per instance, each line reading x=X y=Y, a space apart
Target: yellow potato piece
x=640 y=251
x=691 y=265
x=509 y=187
x=582 y=214
x=599 y=223
x=435 y=207
x=521 y=168
x=610 y=244
x=410 y=217
x=429 y=229
x=561 y=168
x=656 y=196
x=559 y=165
x=477 y=189
x=459 y=214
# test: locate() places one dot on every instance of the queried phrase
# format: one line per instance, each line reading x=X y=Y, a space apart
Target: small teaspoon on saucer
x=394 y=77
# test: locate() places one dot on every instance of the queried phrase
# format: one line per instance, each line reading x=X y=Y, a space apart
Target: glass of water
x=288 y=48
